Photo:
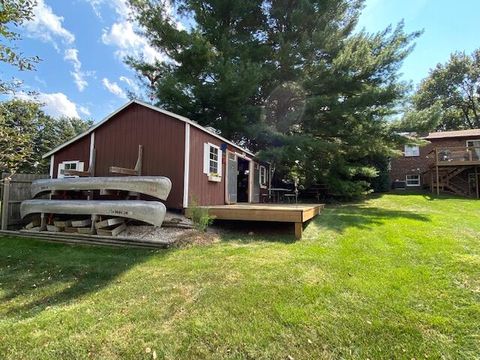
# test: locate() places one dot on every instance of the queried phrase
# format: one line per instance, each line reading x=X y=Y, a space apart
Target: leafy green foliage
x=27 y=133
x=448 y=99
x=199 y=216
x=289 y=78
x=420 y=121
x=15 y=146
x=13 y=13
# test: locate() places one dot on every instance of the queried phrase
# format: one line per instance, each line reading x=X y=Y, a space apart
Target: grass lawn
x=396 y=276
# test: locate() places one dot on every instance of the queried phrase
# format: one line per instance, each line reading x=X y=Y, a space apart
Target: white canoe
x=156 y=186
x=151 y=212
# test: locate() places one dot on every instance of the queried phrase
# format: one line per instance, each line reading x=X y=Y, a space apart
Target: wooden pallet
x=53 y=228
x=62 y=223
x=82 y=223
x=80 y=239
x=109 y=222
x=112 y=230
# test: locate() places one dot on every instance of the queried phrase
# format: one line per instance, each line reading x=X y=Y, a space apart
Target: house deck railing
x=460 y=155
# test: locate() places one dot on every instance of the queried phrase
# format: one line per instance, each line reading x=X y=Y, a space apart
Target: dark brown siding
x=412 y=165
x=163 y=140
x=201 y=190
x=78 y=151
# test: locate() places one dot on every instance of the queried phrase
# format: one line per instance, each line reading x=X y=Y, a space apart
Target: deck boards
x=265 y=212
x=292 y=213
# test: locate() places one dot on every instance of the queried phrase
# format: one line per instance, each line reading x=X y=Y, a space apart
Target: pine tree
x=288 y=78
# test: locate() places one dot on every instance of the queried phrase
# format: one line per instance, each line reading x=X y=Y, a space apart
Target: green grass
x=393 y=277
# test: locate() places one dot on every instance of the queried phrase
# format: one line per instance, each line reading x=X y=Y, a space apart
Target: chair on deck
x=293 y=195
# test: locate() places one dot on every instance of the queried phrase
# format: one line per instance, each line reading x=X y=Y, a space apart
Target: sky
x=447 y=25
x=82 y=44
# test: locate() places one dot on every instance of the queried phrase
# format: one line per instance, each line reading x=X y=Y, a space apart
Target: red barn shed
x=203 y=166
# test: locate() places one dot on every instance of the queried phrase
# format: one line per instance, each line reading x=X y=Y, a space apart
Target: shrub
x=200 y=217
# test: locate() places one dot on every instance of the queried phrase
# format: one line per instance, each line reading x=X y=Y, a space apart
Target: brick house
x=449 y=162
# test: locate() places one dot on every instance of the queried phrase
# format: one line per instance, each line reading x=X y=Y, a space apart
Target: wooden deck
x=293 y=213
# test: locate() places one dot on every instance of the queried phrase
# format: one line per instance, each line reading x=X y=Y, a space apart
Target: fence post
x=5 y=201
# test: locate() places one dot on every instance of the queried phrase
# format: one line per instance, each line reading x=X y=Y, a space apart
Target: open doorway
x=243 y=179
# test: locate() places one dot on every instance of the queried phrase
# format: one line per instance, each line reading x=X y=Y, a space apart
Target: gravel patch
x=172 y=218
x=171 y=236
x=164 y=235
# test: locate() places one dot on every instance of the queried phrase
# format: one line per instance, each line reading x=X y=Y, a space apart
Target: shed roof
x=453 y=134
x=155 y=108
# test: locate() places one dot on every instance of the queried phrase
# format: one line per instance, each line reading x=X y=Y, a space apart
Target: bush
x=200 y=217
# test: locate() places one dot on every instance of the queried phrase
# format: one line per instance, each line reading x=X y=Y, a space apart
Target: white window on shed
x=69 y=165
x=263 y=176
x=412 y=180
x=212 y=159
x=412 y=150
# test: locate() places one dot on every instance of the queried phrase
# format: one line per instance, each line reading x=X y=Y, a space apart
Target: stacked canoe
x=106 y=217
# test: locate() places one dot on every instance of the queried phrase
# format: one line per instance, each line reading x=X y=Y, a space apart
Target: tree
x=344 y=128
x=13 y=13
x=288 y=78
x=454 y=89
x=420 y=121
x=26 y=133
x=15 y=142
x=213 y=73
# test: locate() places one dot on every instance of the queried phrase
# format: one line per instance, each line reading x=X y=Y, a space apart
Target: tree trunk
x=467 y=118
x=475 y=113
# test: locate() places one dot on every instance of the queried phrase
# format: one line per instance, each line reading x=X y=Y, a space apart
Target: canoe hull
x=151 y=212
x=156 y=186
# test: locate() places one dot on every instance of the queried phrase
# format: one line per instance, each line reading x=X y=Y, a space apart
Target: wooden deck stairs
x=449 y=181
x=454 y=169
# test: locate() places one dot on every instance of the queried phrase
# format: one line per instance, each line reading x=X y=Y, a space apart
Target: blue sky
x=82 y=43
x=448 y=26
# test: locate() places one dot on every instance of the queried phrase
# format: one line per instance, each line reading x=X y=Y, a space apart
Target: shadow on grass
x=336 y=217
x=35 y=275
x=340 y=218
x=255 y=231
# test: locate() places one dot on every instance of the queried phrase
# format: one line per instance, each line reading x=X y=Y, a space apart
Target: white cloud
x=40 y=80
x=120 y=6
x=84 y=110
x=127 y=80
x=96 y=4
x=54 y=104
x=123 y=35
x=77 y=73
x=114 y=88
x=72 y=55
x=48 y=26
x=131 y=83
x=79 y=80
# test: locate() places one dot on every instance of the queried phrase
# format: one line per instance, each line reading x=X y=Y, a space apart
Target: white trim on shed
x=186 y=164
x=52 y=163
x=92 y=147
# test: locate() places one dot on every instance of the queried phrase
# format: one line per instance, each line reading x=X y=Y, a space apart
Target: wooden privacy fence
x=13 y=191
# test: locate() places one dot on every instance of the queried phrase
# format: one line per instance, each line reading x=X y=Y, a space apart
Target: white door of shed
x=232 y=173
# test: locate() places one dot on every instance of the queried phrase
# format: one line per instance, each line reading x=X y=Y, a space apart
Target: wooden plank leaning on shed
x=135 y=171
